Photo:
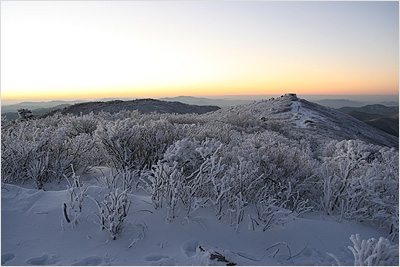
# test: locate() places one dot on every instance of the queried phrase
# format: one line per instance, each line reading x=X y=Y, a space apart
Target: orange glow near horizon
x=170 y=92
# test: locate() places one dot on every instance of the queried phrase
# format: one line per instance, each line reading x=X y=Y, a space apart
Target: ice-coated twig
x=301 y=251
x=247 y=257
x=65 y=213
x=274 y=253
x=41 y=212
x=281 y=243
x=143 y=210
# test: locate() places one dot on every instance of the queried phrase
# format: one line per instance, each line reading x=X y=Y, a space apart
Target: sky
x=86 y=49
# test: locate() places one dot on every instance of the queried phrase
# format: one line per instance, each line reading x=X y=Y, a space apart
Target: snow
x=305 y=117
x=249 y=185
x=35 y=232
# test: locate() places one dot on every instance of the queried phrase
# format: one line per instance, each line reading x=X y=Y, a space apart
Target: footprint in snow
x=7 y=257
x=45 y=259
x=89 y=261
x=190 y=247
x=160 y=260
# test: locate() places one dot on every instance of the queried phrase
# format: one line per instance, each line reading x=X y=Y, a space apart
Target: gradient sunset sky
x=160 y=48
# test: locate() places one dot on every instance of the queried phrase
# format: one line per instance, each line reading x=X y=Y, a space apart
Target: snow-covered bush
x=184 y=153
x=113 y=211
x=128 y=144
x=121 y=179
x=77 y=125
x=38 y=171
x=78 y=193
x=21 y=145
x=360 y=181
x=374 y=252
x=41 y=150
x=24 y=114
x=271 y=212
x=249 y=169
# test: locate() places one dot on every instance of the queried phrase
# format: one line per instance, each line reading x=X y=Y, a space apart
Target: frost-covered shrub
x=113 y=211
x=184 y=153
x=241 y=120
x=267 y=167
x=249 y=169
x=78 y=193
x=26 y=153
x=38 y=171
x=128 y=144
x=188 y=170
x=41 y=150
x=360 y=181
x=210 y=130
x=374 y=252
x=122 y=179
x=24 y=114
x=271 y=212
x=77 y=125
x=167 y=184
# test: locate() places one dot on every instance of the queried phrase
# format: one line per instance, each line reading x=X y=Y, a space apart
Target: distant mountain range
x=339 y=103
x=37 y=105
x=37 y=108
x=378 y=116
x=207 y=101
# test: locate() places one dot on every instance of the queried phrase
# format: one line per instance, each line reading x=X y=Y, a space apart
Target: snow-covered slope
x=35 y=232
x=299 y=118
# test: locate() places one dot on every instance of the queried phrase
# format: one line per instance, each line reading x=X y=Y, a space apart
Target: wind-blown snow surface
x=35 y=232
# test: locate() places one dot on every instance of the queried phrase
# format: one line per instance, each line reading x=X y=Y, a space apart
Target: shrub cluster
x=233 y=162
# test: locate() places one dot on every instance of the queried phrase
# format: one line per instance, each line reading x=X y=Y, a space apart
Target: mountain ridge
x=298 y=118
x=142 y=105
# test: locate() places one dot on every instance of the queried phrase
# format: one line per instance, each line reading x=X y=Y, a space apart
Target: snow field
x=34 y=232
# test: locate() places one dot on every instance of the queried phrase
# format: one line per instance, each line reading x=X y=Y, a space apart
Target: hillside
x=142 y=105
x=372 y=109
x=39 y=111
x=345 y=103
x=298 y=118
x=378 y=116
x=386 y=123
